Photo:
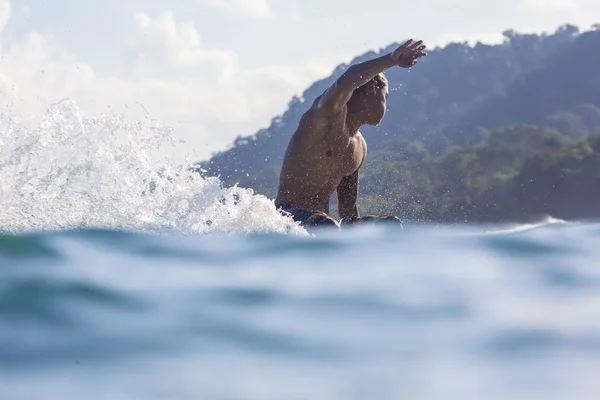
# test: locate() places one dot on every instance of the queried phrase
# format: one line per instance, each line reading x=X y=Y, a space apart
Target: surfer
x=327 y=150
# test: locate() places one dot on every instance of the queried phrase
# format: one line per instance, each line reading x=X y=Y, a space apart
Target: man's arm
x=347 y=194
x=336 y=97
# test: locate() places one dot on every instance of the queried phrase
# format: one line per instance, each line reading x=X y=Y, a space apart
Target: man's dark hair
x=380 y=79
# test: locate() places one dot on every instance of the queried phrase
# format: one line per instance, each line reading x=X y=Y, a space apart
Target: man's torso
x=321 y=152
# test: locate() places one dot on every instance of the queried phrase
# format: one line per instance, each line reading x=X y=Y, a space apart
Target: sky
x=217 y=69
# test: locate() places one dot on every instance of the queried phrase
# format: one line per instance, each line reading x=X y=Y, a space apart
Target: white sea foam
x=77 y=172
x=548 y=220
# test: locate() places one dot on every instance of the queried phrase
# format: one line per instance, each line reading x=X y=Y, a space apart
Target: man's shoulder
x=315 y=112
x=314 y=107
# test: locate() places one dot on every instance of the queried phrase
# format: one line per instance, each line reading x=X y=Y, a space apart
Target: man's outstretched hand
x=407 y=55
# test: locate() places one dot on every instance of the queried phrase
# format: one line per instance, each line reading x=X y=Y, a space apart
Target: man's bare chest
x=343 y=157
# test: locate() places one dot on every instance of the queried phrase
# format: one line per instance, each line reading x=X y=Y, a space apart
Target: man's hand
x=407 y=55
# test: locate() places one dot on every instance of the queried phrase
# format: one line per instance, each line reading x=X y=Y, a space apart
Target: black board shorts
x=312 y=218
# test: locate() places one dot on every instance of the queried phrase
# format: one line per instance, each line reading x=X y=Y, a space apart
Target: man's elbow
x=348 y=79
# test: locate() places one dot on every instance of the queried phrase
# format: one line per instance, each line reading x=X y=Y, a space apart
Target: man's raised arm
x=336 y=97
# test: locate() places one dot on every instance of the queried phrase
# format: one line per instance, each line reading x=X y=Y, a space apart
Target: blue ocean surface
x=424 y=312
x=123 y=277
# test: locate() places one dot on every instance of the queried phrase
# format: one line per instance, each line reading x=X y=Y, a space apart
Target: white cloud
x=204 y=94
x=566 y=11
x=5 y=8
x=254 y=8
x=487 y=38
x=162 y=49
x=206 y=87
x=551 y=4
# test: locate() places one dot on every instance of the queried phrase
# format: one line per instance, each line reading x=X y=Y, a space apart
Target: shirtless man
x=327 y=150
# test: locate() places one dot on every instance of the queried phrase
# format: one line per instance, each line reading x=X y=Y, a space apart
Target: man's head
x=370 y=100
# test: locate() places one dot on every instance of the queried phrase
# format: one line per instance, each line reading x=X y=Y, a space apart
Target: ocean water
x=125 y=278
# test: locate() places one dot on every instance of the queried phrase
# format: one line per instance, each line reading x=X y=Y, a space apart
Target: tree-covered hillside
x=473 y=133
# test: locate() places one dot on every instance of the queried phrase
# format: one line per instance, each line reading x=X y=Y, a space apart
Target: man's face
x=376 y=102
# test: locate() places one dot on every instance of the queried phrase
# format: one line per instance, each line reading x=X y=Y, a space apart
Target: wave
x=74 y=172
x=546 y=221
